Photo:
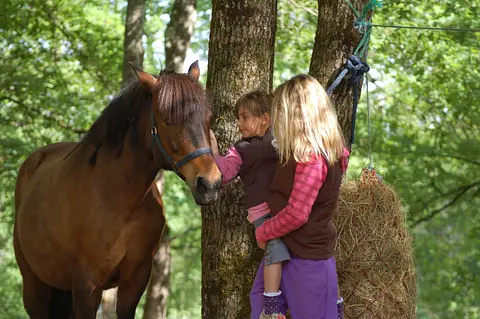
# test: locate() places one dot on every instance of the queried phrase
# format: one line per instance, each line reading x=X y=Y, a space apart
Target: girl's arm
x=309 y=178
x=229 y=164
x=344 y=160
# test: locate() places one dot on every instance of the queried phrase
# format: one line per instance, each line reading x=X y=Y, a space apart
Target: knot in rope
x=357 y=69
x=362 y=26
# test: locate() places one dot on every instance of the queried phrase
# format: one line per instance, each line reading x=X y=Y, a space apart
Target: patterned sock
x=275 y=303
x=340 y=309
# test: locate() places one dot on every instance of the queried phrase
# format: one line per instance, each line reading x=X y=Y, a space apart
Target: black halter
x=187 y=158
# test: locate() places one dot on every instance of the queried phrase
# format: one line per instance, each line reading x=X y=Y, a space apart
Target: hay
x=374 y=252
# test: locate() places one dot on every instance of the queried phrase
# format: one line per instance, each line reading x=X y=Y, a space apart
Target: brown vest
x=259 y=159
x=316 y=239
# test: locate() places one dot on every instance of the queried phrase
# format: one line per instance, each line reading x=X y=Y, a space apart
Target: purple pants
x=310 y=288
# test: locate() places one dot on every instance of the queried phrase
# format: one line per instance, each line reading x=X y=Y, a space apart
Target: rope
x=425 y=28
x=370 y=162
x=354 y=64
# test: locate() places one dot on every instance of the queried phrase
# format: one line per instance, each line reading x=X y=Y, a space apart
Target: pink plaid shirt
x=309 y=178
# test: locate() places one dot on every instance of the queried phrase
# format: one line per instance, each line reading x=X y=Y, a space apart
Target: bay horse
x=88 y=215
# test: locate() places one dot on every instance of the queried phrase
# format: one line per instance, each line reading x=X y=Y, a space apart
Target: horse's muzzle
x=205 y=191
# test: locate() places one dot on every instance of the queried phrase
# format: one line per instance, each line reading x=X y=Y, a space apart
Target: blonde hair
x=304 y=121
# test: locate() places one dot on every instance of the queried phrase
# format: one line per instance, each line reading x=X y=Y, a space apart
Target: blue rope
x=357 y=69
x=354 y=65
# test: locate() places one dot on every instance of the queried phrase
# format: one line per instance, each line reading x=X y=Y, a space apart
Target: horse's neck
x=127 y=177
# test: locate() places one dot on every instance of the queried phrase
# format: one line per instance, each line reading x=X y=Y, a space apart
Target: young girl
x=303 y=199
x=254 y=158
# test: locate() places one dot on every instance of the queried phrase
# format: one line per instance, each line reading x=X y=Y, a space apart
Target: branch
x=53 y=117
x=461 y=158
x=184 y=233
x=461 y=191
x=311 y=11
x=72 y=38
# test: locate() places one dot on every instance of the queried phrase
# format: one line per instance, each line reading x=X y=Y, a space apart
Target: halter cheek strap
x=187 y=158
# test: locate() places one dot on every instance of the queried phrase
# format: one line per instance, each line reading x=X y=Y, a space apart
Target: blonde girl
x=303 y=199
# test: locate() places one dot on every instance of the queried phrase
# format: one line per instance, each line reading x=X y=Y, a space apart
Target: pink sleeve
x=229 y=164
x=309 y=178
x=344 y=160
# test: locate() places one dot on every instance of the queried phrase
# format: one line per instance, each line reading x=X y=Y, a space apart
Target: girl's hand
x=261 y=244
x=213 y=143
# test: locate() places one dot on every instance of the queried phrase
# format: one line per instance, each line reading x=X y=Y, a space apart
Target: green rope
x=357 y=14
x=362 y=46
x=363 y=26
x=371 y=5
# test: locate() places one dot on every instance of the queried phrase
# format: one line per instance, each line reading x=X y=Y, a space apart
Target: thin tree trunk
x=335 y=41
x=177 y=40
x=158 y=287
x=109 y=303
x=132 y=52
x=178 y=33
x=133 y=46
x=241 y=53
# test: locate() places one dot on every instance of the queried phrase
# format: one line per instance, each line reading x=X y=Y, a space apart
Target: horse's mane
x=180 y=98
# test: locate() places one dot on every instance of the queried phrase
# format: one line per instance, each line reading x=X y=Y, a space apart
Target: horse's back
x=34 y=161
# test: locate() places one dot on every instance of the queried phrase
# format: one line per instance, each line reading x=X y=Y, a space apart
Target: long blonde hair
x=304 y=121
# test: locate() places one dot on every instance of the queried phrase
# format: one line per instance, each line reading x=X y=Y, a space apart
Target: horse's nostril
x=204 y=186
x=201 y=185
x=217 y=184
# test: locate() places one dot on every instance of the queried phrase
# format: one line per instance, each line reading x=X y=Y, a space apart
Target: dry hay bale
x=374 y=251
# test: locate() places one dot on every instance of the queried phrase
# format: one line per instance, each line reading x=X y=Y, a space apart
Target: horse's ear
x=194 y=70
x=145 y=78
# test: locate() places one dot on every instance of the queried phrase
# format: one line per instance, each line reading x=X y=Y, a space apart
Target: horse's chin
x=205 y=199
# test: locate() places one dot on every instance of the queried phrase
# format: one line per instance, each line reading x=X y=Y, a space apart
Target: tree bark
x=133 y=46
x=335 y=41
x=177 y=40
x=241 y=56
x=158 y=287
x=178 y=33
x=132 y=52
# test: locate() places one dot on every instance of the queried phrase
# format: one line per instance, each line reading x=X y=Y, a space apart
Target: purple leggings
x=310 y=288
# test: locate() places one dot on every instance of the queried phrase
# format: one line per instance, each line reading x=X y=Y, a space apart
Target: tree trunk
x=133 y=46
x=177 y=40
x=178 y=33
x=158 y=287
x=241 y=56
x=132 y=52
x=335 y=41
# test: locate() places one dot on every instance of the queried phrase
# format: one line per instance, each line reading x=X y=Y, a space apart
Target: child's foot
x=340 y=308
x=275 y=306
x=272 y=316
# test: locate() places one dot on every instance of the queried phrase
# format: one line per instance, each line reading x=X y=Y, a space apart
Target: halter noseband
x=187 y=158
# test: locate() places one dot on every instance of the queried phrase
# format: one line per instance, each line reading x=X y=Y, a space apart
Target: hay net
x=374 y=252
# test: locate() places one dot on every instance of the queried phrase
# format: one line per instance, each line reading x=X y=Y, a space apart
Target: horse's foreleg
x=86 y=298
x=130 y=290
x=36 y=294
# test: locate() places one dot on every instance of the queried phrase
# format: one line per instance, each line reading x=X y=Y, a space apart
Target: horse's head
x=179 y=130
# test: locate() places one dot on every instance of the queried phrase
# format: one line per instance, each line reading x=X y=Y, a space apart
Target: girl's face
x=250 y=125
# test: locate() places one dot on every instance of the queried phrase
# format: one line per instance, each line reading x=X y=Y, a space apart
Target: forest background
x=62 y=63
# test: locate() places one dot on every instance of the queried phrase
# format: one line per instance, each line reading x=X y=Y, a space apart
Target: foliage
x=62 y=64
x=425 y=136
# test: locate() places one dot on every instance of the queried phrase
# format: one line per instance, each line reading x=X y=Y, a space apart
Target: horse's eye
x=166 y=124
